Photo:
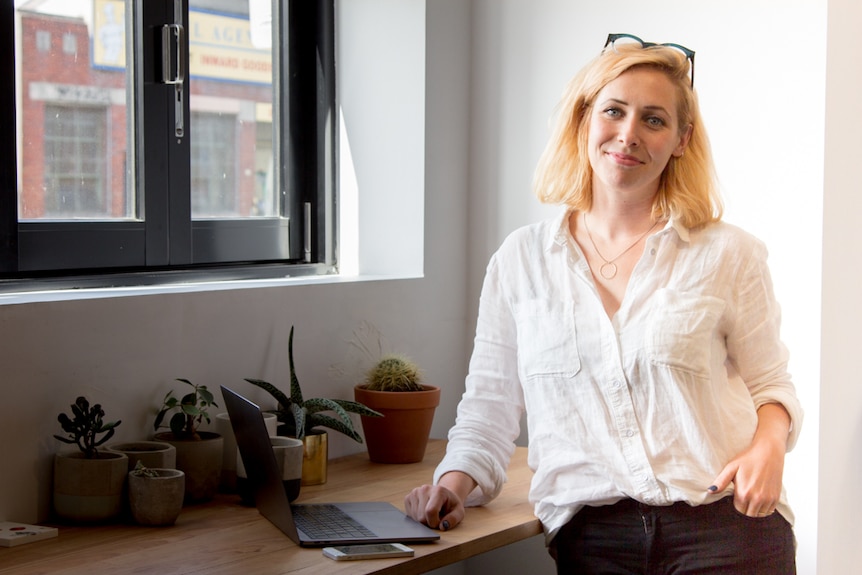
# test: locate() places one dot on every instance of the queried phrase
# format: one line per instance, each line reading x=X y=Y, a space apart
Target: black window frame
x=168 y=245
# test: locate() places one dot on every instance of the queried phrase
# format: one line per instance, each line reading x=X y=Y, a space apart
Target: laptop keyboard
x=321 y=521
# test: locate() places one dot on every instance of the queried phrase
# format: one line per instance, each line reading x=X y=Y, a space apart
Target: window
x=43 y=40
x=74 y=165
x=215 y=190
x=70 y=44
x=166 y=137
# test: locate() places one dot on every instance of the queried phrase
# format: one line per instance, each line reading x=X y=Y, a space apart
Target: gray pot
x=157 y=500
x=152 y=454
x=200 y=460
x=89 y=490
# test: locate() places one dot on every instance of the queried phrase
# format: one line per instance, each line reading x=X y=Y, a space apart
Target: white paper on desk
x=13 y=533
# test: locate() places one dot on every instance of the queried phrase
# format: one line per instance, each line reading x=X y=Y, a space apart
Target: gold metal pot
x=315 y=458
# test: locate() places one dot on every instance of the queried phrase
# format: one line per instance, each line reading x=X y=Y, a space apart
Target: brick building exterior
x=73 y=136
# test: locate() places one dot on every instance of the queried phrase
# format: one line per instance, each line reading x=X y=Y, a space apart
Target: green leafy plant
x=84 y=427
x=191 y=411
x=300 y=415
x=141 y=470
x=394 y=373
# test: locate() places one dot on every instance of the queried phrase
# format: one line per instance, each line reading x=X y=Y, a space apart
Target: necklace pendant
x=608 y=270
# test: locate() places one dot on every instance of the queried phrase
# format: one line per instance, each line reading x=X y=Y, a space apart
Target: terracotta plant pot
x=401 y=435
x=152 y=454
x=89 y=490
x=157 y=500
x=201 y=462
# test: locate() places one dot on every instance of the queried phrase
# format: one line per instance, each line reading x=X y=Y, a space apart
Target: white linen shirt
x=651 y=404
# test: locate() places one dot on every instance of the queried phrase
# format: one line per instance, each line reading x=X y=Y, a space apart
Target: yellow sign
x=109 y=36
x=263 y=112
x=220 y=46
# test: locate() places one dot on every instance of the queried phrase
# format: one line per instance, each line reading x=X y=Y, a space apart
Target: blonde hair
x=688 y=188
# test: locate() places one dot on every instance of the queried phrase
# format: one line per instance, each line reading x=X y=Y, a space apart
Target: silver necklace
x=609 y=268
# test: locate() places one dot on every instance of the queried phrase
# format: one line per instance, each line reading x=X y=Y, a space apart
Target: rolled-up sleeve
x=481 y=442
x=755 y=347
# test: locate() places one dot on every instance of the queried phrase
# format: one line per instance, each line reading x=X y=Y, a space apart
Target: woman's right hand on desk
x=440 y=506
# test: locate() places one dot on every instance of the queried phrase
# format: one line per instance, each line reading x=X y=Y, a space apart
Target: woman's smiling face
x=633 y=132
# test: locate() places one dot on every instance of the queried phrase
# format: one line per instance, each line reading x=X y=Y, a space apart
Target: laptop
x=311 y=525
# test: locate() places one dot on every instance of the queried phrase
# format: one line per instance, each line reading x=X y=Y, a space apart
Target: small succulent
x=191 y=411
x=84 y=427
x=394 y=373
x=301 y=415
x=141 y=470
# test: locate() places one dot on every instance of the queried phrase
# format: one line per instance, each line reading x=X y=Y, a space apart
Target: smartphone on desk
x=369 y=551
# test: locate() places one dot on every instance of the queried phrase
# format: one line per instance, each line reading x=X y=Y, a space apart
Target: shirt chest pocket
x=682 y=332
x=547 y=341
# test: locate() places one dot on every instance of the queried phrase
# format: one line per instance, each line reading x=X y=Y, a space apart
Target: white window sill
x=190 y=287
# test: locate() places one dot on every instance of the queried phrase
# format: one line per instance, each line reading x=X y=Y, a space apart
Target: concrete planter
x=229 y=453
x=89 y=490
x=201 y=461
x=152 y=454
x=157 y=500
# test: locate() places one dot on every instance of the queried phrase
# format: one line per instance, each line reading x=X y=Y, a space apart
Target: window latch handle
x=174 y=69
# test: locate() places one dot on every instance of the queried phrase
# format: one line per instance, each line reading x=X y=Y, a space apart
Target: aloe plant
x=300 y=415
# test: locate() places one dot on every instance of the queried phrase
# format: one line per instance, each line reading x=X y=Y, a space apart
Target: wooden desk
x=224 y=538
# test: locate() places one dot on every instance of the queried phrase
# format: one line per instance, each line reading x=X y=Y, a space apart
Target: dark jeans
x=630 y=538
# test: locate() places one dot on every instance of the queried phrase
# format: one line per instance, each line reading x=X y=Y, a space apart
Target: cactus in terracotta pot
x=394 y=373
x=393 y=386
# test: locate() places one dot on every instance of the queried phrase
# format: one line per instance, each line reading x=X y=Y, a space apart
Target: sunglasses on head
x=621 y=39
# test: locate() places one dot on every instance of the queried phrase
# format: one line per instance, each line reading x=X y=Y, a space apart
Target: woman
x=641 y=336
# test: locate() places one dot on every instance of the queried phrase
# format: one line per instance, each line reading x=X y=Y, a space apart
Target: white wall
x=840 y=464
x=381 y=92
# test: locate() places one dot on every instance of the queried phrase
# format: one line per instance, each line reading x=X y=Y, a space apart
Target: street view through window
x=75 y=106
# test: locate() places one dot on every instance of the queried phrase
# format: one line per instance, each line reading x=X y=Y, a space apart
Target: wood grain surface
x=222 y=537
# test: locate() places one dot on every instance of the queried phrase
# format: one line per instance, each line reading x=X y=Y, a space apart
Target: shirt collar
x=560 y=229
x=560 y=233
x=682 y=231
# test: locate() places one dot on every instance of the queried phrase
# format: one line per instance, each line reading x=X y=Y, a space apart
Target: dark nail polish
x=712 y=488
x=445 y=525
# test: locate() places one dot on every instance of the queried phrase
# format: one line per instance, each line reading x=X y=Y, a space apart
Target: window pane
x=214 y=183
x=74 y=169
x=230 y=65
x=74 y=152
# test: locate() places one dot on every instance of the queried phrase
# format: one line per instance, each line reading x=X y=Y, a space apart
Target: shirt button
x=652 y=252
x=629 y=433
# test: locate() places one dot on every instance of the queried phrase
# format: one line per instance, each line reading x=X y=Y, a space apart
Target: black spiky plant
x=300 y=415
x=84 y=427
